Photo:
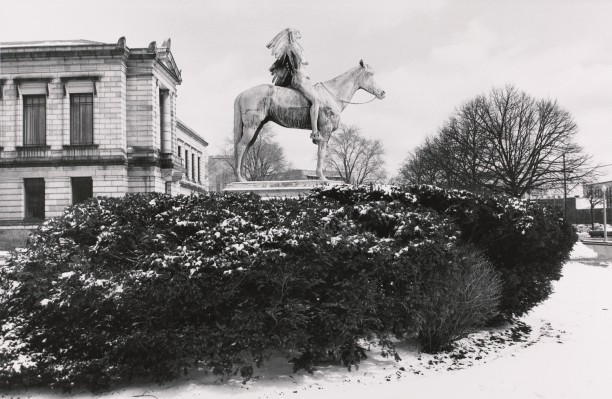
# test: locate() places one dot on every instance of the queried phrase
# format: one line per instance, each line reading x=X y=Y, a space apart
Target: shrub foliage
x=150 y=286
x=527 y=243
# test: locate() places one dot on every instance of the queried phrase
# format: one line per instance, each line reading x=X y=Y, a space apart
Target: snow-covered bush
x=152 y=285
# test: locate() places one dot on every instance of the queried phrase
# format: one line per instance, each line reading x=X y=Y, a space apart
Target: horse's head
x=367 y=82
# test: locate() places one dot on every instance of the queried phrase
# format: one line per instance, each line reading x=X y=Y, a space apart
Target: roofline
x=74 y=49
x=190 y=132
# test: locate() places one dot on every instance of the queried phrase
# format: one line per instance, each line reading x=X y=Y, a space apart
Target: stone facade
x=81 y=118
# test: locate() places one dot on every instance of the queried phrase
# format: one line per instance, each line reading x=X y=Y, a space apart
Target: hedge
x=150 y=286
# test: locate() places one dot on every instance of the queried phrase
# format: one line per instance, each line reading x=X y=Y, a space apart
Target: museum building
x=81 y=119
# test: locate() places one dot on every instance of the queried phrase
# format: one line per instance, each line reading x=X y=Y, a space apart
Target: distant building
x=591 y=206
x=81 y=119
x=595 y=189
x=220 y=172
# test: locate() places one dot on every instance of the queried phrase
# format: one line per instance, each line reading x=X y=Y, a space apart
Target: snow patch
x=66 y=275
x=581 y=251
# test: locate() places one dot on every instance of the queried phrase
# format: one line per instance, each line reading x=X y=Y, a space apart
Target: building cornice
x=57 y=163
x=20 y=53
x=75 y=49
x=191 y=133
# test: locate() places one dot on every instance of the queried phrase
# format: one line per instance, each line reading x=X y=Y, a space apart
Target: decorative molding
x=166 y=60
x=143 y=156
x=80 y=85
x=97 y=50
x=33 y=151
x=190 y=132
x=59 y=162
x=91 y=77
x=166 y=174
x=32 y=86
x=192 y=186
x=167 y=160
x=70 y=146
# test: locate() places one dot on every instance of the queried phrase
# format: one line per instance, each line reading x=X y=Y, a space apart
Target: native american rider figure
x=289 y=71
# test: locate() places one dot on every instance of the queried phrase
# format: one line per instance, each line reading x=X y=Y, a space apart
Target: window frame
x=76 y=182
x=199 y=169
x=41 y=119
x=193 y=166
x=186 y=163
x=76 y=112
x=31 y=203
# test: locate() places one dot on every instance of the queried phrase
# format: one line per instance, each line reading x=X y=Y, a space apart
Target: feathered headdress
x=289 y=56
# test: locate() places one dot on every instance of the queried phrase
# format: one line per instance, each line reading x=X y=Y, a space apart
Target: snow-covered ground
x=581 y=251
x=565 y=355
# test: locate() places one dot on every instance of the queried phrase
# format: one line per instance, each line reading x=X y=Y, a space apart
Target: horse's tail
x=238 y=125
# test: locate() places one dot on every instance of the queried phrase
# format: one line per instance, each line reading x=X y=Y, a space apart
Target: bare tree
x=422 y=167
x=595 y=197
x=416 y=169
x=508 y=142
x=355 y=158
x=263 y=160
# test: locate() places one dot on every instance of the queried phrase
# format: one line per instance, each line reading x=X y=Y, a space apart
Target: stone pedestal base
x=279 y=189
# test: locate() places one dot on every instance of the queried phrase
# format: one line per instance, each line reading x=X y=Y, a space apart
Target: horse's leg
x=325 y=132
x=242 y=146
x=321 y=153
x=314 y=117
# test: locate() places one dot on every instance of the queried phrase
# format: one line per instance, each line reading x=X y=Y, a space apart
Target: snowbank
x=581 y=251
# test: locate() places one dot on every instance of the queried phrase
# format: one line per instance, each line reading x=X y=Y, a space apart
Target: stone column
x=165 y=127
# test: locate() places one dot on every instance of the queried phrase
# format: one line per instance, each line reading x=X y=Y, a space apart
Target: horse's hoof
x=315 y=137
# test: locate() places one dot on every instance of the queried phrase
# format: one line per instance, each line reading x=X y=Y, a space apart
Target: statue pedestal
x=279 y=189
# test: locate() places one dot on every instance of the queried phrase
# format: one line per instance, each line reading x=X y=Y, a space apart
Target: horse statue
x=289 y=108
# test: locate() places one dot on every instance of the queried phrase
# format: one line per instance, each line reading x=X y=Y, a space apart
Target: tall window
x=187 y=164
x=193 y=167
x=82 y=189
x=199 y=170
x=34 y=120
x=34 y=190
x=161 y=120
x=81 y=119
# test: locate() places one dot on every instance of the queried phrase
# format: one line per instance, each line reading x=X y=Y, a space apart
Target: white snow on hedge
x=4 y=255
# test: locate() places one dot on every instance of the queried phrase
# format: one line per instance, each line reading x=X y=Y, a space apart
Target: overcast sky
x=429 y=55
